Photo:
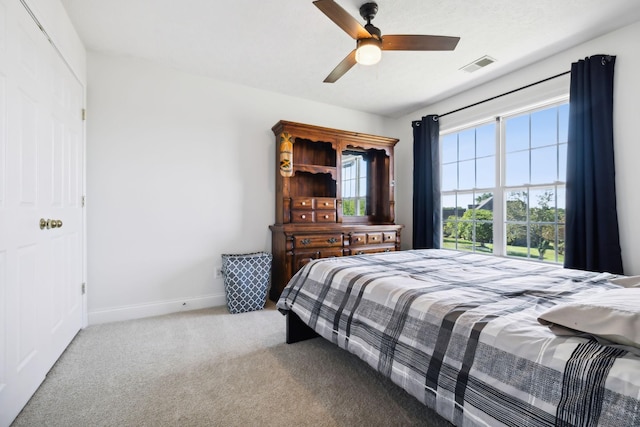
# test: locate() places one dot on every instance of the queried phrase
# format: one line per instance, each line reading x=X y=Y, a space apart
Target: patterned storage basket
x=246 y=280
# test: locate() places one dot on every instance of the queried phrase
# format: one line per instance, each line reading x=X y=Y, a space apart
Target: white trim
x=137 y=311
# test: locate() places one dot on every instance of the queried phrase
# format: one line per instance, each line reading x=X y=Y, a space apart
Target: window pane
x=563 y=123
x=465 y=236
x=544 y=127
x=562 y=162
x=467 y=178
x=486 y=172
x=363 y=187
x=544 y=165
x=449 y=144
x=349 y=188
x=542 y=239
x=517 y=133
x=541 y=201
x=517 y=240
x=517 y=205
x=348 y=170
x=560 y=249
x=561 y=201
x=483 y=226
x=363 y=167
x=517 y=165
x=486 y=140
x=449 y=177
x=465 y=203
x=348 y=207
x=467 y=144
x=449 y=234
x=448 y=207
x=542 y=235
x=484 y=201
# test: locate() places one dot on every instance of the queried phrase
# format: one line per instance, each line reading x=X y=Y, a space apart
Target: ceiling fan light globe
x=368 y=52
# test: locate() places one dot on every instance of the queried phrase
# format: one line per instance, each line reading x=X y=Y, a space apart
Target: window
x=354 y=184
x=503 y=185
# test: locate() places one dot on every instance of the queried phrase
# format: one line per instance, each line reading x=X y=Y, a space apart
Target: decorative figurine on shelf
x=286 y=155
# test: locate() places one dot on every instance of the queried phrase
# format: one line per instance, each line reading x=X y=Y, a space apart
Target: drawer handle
x=332 y=240
x=359 y=253
x=326 y=203
x=373 y=238
x=326 y=217
x=387 y=250
x=303 y=203
x=358 y=239
x=388 y=237
x=303 y=216
x=305 y=241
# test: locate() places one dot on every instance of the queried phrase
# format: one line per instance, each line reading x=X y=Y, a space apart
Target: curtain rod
x=504 y=94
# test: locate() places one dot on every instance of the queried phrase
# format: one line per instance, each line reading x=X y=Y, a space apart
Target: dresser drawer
x=330 y=252
x=358 y=239
x=325 y=216
x=389 y=236
x=303 y=216
x=325 y=203
x=302 y=203
x=304 y=256
x=372 y=250
x=317 y=241
x=374 y=238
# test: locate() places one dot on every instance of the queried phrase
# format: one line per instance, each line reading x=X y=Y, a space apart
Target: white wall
x=53 y=17
x=623 y=44
x=180 y=169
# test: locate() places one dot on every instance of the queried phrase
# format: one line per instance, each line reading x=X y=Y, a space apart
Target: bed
x=483 y=340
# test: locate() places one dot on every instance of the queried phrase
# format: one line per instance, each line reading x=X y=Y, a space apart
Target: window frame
x=500 y=188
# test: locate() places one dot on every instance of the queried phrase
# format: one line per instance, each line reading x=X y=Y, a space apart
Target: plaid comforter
x=459 y=331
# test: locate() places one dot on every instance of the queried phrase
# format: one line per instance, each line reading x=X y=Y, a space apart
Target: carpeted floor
x=212 y=368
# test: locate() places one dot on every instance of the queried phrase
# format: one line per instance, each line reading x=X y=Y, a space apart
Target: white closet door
x=41 y=162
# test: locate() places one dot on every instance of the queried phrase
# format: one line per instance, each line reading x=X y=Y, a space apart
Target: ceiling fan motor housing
x=368 y=11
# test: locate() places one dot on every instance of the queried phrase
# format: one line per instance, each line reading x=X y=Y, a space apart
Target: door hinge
x=84 y=288
x=83 y=201
x=84 y=114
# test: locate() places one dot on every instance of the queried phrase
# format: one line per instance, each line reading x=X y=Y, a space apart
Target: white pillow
x=613 y=315
x=627 y=282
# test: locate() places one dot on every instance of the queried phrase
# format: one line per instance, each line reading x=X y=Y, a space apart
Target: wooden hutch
x=312 y=196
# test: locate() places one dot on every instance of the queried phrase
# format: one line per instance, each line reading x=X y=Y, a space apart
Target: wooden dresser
x=334 y=197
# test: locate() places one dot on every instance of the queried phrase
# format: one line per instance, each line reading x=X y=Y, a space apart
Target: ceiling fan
x=369 y=40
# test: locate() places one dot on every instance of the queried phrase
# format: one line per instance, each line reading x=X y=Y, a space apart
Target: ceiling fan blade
x=344 y=66
x=342 y=18
x=418 y=42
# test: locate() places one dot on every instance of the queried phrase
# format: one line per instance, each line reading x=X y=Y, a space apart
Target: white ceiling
x=289 y=46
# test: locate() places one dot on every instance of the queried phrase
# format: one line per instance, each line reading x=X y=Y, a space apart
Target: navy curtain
x=591 y=238
x=426 y=183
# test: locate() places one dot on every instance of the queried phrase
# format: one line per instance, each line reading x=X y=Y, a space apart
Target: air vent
x=478 y=63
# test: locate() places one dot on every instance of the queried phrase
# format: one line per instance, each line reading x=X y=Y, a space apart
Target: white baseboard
x=138 y=311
